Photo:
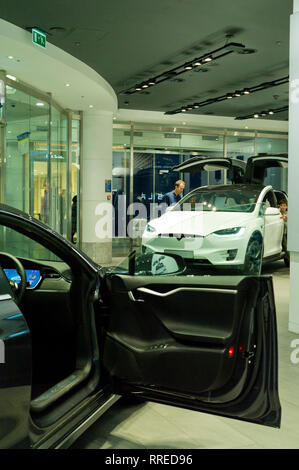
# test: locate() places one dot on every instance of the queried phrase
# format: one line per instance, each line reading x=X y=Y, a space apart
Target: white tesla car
x=223 y=225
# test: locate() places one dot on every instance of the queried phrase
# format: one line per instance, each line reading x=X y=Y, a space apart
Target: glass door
x=2 y=163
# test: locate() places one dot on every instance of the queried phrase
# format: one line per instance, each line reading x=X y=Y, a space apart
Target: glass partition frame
x=41 y=155
x=129 y=140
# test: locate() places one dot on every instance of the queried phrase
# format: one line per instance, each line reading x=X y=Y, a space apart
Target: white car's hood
x=198 y=223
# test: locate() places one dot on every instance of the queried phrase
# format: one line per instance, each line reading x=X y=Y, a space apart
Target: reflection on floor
x=154 y=426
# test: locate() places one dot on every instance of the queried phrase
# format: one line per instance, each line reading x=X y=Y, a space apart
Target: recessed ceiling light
x=188 y=67
x=255 y=115
x=138 y=88
x=39 y=103
x=229 y=96
x=10 y=57
x=208 y=59
x=145 y=85
x=11 y=77
x=91 y=106
x=67 y=84
x=197 y=63
x=271 y=112
x=246 y=91
x=237 y=93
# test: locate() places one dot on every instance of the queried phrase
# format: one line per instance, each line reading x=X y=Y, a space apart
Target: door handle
x=185 y=289
x=131 y=297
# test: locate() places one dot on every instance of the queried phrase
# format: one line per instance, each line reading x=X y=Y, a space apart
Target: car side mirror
x=272 y=211
x=158 y=264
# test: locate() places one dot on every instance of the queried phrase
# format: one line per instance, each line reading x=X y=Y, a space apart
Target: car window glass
x=219 y=200
x=22 y=246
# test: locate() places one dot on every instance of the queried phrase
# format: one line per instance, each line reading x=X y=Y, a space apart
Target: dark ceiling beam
x=204 y=59
x=235 y=94
x=269 y=112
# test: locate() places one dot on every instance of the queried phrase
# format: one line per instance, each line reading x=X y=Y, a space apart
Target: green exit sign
x=38 y=38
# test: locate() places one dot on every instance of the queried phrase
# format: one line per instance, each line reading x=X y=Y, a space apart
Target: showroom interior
x=122 y=93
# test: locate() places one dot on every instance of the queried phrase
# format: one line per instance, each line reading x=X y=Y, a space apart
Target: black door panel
x=193 y=343
x=189 y=331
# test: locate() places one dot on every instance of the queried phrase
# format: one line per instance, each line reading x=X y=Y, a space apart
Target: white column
x=293 y=178
x=96 y=203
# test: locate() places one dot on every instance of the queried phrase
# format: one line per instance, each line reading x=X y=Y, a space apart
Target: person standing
x=176 y=195
x=74 y=218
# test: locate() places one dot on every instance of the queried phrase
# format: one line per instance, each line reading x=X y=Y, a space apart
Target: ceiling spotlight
x=138 y=88
x=152 y=82
x=196 y=105
x=10 y=57
x=208 y=59
x=183 y=110
x=188 y=67
x=263 y=113
x=246 y=91
x=67 y=84
x=189 y=108
x=229 y=96
x=270 y=112
x=90 y=106
x=255 y=115
x=145 y=85
x=197 y=63
x=237 y=93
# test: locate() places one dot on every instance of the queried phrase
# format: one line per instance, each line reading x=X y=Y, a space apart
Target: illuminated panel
x=33 y=276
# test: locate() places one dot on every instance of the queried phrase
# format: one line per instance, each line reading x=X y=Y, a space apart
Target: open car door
x=257 y=165
x=207 y=343
x=235 y=167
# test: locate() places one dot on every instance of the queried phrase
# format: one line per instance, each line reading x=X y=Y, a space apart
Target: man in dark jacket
x=176 y=195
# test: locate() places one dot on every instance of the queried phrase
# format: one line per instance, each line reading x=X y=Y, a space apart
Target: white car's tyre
x=253 y=256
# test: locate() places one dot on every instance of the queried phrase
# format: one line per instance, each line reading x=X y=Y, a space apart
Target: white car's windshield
x=220 y=200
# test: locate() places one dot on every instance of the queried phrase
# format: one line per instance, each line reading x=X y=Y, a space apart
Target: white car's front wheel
x=253 y=256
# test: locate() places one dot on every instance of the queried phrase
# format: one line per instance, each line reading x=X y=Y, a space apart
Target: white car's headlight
x=149 y=228
x=230 y=231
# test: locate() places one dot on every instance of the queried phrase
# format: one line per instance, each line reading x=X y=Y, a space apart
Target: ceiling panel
x=130 y=41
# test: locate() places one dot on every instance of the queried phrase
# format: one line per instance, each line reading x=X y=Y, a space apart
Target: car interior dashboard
x=41 y=275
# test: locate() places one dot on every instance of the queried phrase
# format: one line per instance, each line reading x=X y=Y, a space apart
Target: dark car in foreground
x=76 y=337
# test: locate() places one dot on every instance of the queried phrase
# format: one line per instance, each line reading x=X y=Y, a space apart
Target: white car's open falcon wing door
x=235 y=167
x=257 y=166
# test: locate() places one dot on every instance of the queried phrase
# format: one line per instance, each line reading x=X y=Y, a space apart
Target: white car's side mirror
x=272 y=211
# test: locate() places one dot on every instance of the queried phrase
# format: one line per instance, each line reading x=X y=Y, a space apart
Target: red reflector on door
x=231 y=351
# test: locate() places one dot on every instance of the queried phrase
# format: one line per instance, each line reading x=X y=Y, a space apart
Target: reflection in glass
x=58 y=172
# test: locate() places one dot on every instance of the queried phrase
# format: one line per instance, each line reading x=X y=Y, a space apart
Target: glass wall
x=58 y=170
x=75 y=180
x=40 y=169
x=157 y=149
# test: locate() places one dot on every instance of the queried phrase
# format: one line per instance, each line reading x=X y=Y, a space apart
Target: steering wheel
x=18 y=291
